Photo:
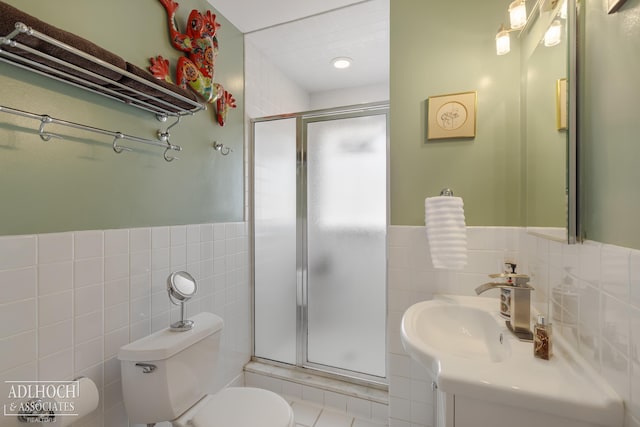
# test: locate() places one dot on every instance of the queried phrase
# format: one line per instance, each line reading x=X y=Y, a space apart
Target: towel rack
x=117 y=136
x=147 y=95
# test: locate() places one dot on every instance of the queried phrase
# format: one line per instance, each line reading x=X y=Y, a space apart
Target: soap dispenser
x=542 y=348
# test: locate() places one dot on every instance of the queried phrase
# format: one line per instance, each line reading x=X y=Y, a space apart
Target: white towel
x=446 y=231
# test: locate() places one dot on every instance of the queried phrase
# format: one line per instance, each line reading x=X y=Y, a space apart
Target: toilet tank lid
x=165 y=343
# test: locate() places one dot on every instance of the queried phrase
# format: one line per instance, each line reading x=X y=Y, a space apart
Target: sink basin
x=445 y=330
x=466 y=347
x=457 y=330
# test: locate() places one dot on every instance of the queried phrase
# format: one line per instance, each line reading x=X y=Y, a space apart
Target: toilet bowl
x=238 y=407
x=168 y=376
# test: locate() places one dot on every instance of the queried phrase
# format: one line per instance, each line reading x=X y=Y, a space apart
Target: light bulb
x=341 y=62
x=553 y=35
x=518 y=14
x=563 y=10
x=503 y=42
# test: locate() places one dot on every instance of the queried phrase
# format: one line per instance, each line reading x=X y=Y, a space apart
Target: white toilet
x=167 y=376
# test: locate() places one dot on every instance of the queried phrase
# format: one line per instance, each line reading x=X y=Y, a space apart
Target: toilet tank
x=167 y=372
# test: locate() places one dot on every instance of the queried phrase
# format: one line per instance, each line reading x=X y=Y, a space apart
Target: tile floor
x=308 y=414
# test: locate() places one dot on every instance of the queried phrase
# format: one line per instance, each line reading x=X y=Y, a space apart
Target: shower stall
x=320 y=188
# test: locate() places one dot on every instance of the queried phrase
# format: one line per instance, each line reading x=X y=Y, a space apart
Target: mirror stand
x=182 y=324
x=181 y=286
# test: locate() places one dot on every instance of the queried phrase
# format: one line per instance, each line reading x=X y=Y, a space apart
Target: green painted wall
x=609 y=128
x=441 y=47
x=80 y=183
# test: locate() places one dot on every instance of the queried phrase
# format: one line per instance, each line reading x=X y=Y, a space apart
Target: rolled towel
x=446 y=232
x=9 y=15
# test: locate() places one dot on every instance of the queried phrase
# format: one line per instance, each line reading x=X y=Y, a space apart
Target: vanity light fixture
x=517 y=19
x=341 y=62
x=503 y=41
x=553 y=35
x=563 y=10
x=518 y=14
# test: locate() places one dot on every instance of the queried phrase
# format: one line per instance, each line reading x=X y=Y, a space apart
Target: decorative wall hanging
x=196 y=70
x=561 y=104
x=452 y=116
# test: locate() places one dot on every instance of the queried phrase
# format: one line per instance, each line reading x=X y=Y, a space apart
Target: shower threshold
x=373 y=392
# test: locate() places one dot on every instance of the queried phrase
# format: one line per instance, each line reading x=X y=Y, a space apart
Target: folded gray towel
x=9 y=15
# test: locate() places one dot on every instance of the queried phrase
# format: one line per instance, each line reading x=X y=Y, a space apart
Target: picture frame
x=613 y=5
x=561 y=104
x=452 y=116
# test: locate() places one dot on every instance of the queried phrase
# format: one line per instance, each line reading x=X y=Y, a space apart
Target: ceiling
x=253 y=15
x=302 y=37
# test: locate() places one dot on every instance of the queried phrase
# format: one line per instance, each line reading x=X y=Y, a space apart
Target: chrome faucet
x=520 y=321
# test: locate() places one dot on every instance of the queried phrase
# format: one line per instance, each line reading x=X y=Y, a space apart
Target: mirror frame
x=175 y=295
x=573 y=224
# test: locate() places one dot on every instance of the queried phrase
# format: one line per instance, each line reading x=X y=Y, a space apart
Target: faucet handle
x=522 y=280
x=518 y=279
x=508 y=276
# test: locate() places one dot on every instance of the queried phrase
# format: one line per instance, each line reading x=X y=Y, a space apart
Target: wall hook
x=166 y=155
x=46 y=136
x=221 y=148
x=119 y=148
x=164 y=136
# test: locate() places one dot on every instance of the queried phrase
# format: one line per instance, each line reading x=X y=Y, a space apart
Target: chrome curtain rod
x=46 y=136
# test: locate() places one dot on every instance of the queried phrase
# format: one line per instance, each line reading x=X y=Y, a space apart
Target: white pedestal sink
x=493 y=377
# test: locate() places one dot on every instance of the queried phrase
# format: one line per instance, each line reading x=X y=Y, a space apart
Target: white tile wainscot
x=69 y=301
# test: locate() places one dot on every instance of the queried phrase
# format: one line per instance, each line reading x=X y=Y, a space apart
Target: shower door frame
x=302 y=119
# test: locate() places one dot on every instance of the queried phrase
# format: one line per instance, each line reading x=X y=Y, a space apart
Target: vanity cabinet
x=463 y=411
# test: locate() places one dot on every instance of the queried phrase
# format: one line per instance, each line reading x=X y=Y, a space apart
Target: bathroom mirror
x=549 y=128
x=181 y=287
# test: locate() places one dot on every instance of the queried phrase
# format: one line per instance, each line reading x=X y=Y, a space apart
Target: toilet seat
x=242 y=407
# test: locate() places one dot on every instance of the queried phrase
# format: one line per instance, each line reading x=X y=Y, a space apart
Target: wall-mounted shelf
x=35 y=51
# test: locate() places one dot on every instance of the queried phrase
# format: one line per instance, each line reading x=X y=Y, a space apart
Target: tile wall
x=591 y=290
x=69 y=301
x=267 y=90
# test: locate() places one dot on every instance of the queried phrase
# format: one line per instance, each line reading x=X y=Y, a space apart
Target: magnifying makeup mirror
x=181 y=286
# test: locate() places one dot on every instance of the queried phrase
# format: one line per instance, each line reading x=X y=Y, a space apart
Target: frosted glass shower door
x=346 y=242
x=275 y=241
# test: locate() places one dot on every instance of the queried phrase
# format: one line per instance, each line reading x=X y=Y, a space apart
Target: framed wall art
x=452 y=116
x=561 y=104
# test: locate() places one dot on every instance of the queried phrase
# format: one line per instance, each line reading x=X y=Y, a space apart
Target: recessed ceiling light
x=341 y=62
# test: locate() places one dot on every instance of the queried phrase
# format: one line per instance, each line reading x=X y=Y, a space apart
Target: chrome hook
x=119 y=148
x=221 y=148
x=46 y=136
x=174 y=148
x=164 y=136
